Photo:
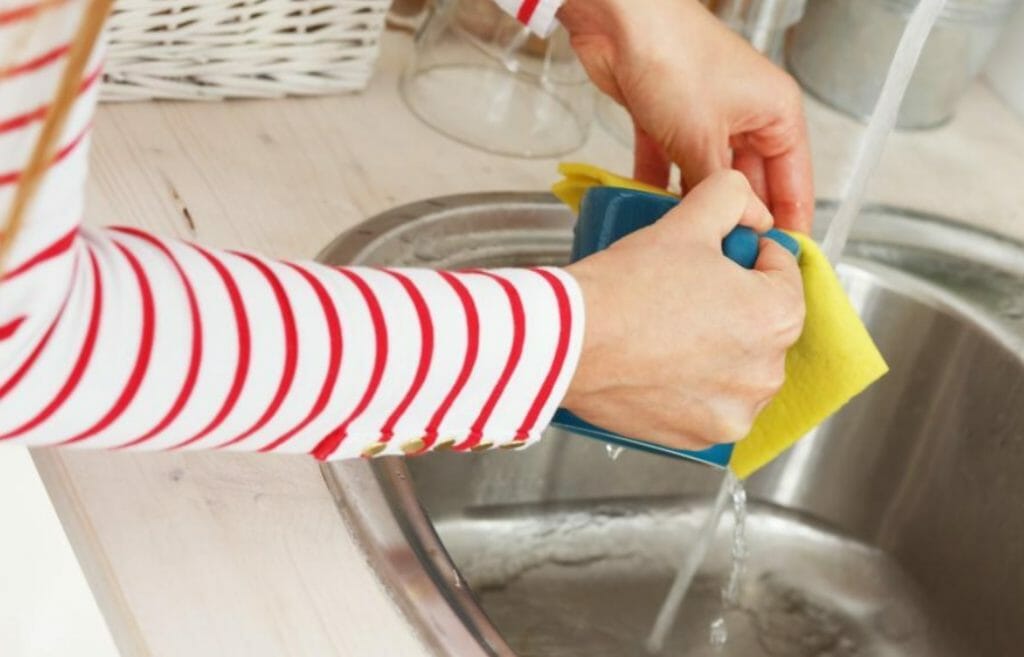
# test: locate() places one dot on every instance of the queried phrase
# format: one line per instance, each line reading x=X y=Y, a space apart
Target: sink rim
x=379 y=502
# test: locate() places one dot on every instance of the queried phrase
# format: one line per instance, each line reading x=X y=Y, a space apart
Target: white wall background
x=46 y=608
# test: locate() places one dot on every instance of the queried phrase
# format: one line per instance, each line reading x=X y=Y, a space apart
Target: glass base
x=492 y=110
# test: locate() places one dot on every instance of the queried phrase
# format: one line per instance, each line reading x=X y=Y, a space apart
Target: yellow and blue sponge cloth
x=833 y=360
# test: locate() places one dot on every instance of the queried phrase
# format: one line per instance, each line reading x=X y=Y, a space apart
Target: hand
x=682 y=346
x=700 y=96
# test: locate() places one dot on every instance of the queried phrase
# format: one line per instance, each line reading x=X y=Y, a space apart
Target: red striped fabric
x=21 y=120
x=8 y=330
x=36 y=63
x=142 y=357
x=333 y=440
x=57 y=249
x=84 y=356
x=333 y=360
x=526 y=9
x=561 y=351
x=24 y=12
x=244 y=339
x=27 y=364
x=426 y=326
x=14 y=176
x=196 y=351
x=291 y=348
x=468 y=361
x=514 y=354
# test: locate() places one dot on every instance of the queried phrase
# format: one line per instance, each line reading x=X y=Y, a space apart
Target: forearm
x=157 y=344
x=119 y=339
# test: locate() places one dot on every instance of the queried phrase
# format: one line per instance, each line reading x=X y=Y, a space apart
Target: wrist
x=599 y=335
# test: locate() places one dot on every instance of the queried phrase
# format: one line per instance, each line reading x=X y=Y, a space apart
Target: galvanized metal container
x=841 y=51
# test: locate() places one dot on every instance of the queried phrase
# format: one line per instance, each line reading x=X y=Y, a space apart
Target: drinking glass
x=480 y=77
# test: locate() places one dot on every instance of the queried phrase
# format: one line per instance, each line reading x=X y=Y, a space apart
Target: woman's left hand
x=700 y=96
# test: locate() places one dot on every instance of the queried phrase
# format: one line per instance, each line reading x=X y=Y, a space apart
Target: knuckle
x=789 y=328
x=768 y=384
x=791 y=94
x=733 y=180
x=735 y=430
x=776 y=377
x=783 y=317
x=734 y=423
x=761 y=391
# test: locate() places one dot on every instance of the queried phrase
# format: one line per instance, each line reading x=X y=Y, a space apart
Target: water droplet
x=613 y=451
x=719 y=633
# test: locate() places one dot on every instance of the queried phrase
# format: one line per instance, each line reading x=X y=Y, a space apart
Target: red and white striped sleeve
x=120 y=339
x=538 y=15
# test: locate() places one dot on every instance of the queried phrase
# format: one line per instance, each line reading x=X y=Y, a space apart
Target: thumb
x=722 y=201
x=780 y=266
x=773 y=258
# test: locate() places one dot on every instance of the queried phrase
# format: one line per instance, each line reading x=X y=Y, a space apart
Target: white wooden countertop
x=224 y=554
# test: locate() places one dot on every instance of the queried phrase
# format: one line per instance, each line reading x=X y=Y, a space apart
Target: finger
x=756 y=214
x=650 y=164
x=781 y=265
x=783 y=307
x=789 y=177
x=751 y=165
x=773 y=257
x=790 y=182
x=702 y=157
x=722 y=202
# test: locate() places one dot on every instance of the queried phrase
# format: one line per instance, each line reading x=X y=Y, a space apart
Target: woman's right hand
x=683 y=346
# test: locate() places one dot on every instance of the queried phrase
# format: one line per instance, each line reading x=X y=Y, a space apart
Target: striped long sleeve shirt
x=115 y=338
x=538 y=15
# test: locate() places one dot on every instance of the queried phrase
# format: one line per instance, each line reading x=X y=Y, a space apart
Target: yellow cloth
x=832 y=362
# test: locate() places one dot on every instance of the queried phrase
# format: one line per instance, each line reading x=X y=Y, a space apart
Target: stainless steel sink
x=897 y=530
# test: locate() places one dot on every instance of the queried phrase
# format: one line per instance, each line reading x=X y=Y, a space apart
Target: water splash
x=883 y=120
x=693 y=557
x=719 y=633
x=731 y=591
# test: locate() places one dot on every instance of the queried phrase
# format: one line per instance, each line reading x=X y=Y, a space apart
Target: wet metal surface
x=896 y=530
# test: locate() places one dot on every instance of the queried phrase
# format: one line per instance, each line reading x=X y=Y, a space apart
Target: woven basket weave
x=213 y=49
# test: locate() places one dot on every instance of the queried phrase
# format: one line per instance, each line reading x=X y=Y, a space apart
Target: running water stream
x=691 y=560
x=869 y=153
x=719 y=634
x=883 y=120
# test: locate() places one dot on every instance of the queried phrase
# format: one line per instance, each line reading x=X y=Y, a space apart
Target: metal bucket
x=841 y=51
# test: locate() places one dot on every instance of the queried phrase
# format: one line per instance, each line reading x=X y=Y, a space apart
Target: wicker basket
x=213 y=49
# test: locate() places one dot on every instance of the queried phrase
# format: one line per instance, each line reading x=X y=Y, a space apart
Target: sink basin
x=895 y=530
